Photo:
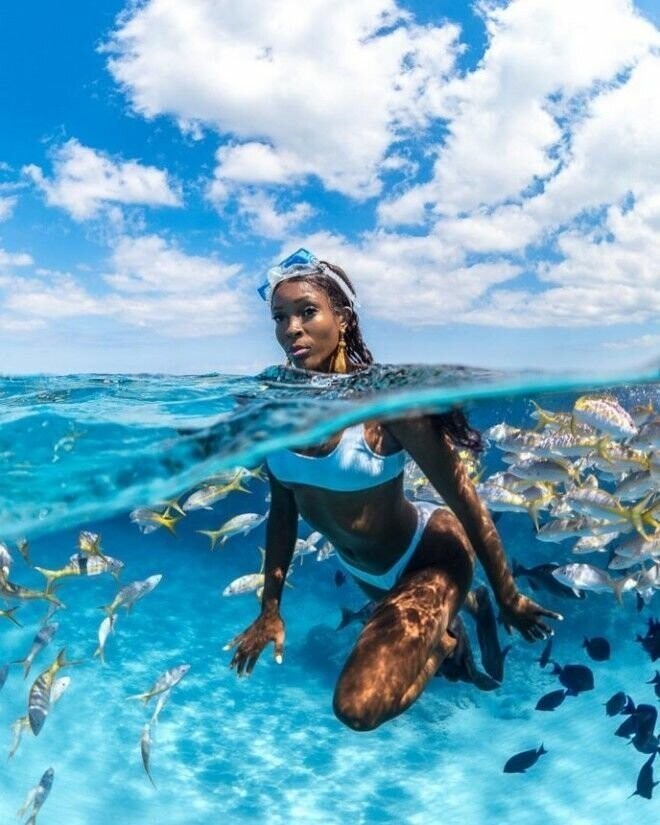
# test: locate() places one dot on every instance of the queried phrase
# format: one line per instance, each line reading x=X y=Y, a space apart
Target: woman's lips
x=296 y=353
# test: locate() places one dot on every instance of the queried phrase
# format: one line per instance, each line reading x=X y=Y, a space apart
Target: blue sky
x=487 y=173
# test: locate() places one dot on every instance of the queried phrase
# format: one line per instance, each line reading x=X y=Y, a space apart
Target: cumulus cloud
x=296 y=100
x=85 y=181
x=263 y=217
x=154 y=285
x=7 y=205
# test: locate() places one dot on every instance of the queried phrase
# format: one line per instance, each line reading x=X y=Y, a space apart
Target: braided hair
x=454 y=423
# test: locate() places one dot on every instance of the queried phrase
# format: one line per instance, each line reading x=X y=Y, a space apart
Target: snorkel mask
x=302 y=263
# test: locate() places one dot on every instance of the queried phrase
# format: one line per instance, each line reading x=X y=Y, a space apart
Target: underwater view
x=133 y=512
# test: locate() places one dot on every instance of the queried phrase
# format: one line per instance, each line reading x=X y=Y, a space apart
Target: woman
x=415 y=559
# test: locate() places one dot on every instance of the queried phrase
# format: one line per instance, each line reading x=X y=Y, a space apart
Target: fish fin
x=288 y=584
x=541 y=750
x=263 y=559
x=143 y=696
x=346 y=616
x=9 y=614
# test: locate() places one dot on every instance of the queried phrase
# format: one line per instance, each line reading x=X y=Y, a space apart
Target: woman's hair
x=454 y=423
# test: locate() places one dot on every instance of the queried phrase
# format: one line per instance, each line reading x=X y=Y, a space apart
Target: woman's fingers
x=233 y=642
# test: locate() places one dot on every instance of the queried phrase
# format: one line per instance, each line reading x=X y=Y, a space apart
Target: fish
x=305 y=547
x=208 y=495
x=23 y=723
x=164 y=682
x=362 y=615
x=39 y=700
x=594 y=544
x=634 y=485
x=545 y=655
x=82 y=565
x=145 y=750
x=131 y=593
x=640 y=413
x=605 y=414
x=643 y=739
x=568 y=445
x=648 y=436
x=502 y=500
x=553 y=470
x=492 y=654
x=89 y=543
x=550 y=419
x=575 y=678
x=244 y=584
x=645 y=783
x=524 y=760
x=512 y=439
x=616 y=703
x=340 y=578
x=37 y=796
x=6 y=560
x=161 y=701
x=599 y=504
x=565 y=528
x=587 y=577
x=23 y=547
x=11 y=590
x=636 y=547
x=551 y=700
x=651 y=641
x=42 y=639
x=541 y=577
x=655 y=681
x=597 y=648
x=9 y=614
x=241 y=524
x=327 y=549
x=106 y=627
x=149 y=520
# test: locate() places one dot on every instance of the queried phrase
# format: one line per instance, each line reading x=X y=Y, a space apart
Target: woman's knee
x=356 y=710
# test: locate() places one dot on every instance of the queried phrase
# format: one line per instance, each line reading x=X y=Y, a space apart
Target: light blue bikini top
x=351 y=466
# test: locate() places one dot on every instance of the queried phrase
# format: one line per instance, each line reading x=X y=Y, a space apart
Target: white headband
x=277 y=274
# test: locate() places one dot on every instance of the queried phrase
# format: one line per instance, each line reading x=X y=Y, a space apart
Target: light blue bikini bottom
x=387 y=580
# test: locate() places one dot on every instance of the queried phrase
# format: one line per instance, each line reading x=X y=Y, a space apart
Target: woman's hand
x=267 y=627
x=525 y=615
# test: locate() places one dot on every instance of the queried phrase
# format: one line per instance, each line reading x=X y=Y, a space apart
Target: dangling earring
x=339 y=361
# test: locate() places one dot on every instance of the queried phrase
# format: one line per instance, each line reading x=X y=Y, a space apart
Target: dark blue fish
x=615 y=704
x=630 y=706
x=627 y=728
x=551 y=700
x=645 y=783
x=597 y=648
x=340 y=578
x=639 y=602
x=646 y=716
x=575 y=678
x=651 y=641
x=655 y=681
x=362 y=615
x=524 y=760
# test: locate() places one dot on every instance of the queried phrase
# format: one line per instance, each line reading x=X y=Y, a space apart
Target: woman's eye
x=310 y=309
x=277 y=318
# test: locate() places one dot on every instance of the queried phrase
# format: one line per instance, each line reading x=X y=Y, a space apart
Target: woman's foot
x=460 y=666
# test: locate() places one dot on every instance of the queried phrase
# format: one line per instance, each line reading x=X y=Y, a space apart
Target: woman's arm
x=281 y=531
x=441 y=464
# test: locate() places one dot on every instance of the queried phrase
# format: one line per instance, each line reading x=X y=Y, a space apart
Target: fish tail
x=10 y=615
x=49 y=575
x=212 y=535
x=48 y=595
x=542 y=750
x=242 y=489
x=99 y=652
x=142 y=696
x=263 y=559
x=533 y=511
x=150 y=779
x=107 y=609
x=346 y=616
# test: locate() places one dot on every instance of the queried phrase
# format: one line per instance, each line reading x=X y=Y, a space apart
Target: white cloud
x=648 y=341
x=85 y=181
x=7 y=207
x=262 y=215
x=10 y=259
x=298 y=99
x=504 y=128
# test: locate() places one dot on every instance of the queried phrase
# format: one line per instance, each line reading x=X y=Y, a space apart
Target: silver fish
x=6 y=560
x=587 y=577
x=41 y=640
x=648 y=437
x=545 y=469
x=37 y=796
x=564 y=528
x=594 y=544
x=161 y=701
x=244 y=584
x=105 y=628
x=145 y=749
x=241 y=524
x=81 y=564
x=131 y=593
x=637 y=547
x=635 y=485
x=40 y=697
x=606 y=414
x=164 y=682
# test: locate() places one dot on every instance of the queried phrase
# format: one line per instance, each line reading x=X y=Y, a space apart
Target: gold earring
x=339 y=363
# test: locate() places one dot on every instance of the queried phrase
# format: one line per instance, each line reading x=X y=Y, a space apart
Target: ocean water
x=80 y=452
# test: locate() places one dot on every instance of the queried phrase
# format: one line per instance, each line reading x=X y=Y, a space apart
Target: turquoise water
x=79 y=452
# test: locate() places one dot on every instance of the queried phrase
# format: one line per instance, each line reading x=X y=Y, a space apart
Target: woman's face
x=306 y=326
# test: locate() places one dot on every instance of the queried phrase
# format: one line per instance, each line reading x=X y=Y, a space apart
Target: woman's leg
x=406 y=639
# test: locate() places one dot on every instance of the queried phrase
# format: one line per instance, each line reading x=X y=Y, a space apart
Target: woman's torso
x=370 y=527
